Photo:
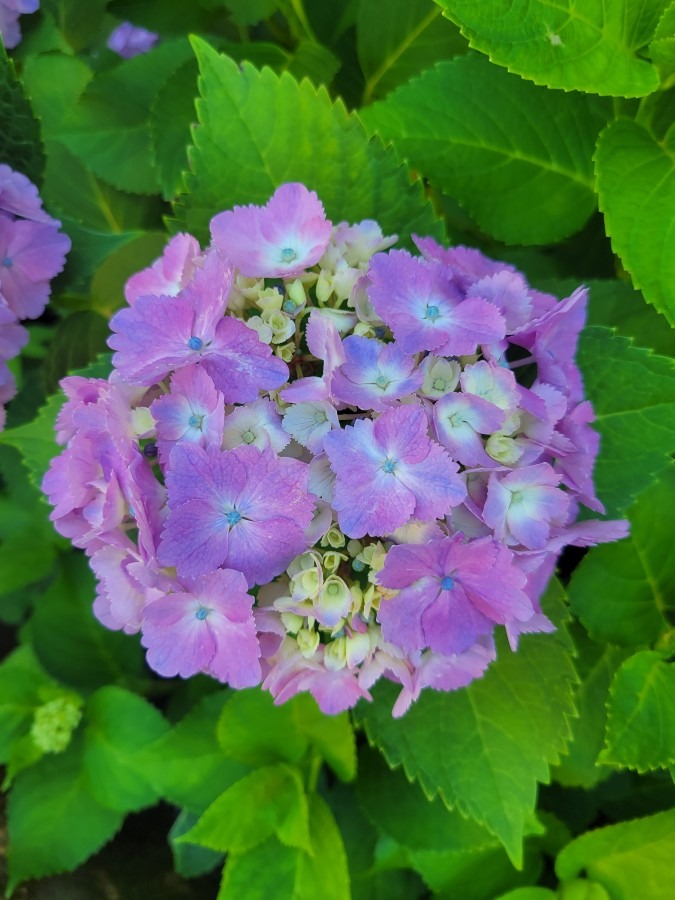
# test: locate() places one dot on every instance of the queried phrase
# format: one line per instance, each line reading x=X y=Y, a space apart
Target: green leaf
x=252 y=729
x=70 y=643
x=623 y=592
x=314 y=61
x=120 y=725
x=636 y=192
x=249 y=12
x=269 y=801
x=633 y=395
x=109 y=127
x=21 y=681
x=272 y=869
x=632 y=859
x=190 y=860
x=586 y=47
x=396 y=39
x=27 y=537
x=79 y=23
x=596 y=665
x=55 y=82
x=258 y=130
x=188 y=767
x=107 y=285
x=662 y=46
x=20 y=141
x=518 y=157
x=172 y=113
x=54 y=822
x=641 y=714
x=473 y=874
x=77 y=341
x=399 y=808
x=529 y=893
x=483 y=748
x=35 y=440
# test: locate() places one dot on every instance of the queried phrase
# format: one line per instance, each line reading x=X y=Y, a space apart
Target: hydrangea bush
x=340 y=430
x=336 y=477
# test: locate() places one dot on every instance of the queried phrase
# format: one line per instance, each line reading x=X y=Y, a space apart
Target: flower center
x=195 y=343
x=248 y=437
x=289 y=306
x=288 y=254
x=447 y=583
x=389 y=465
x=7 y=262
x=432 y=313
x=439 y=385
x=202 y=613
x=195 y=421
x=233 y=517
x=382 y=381
x=320 y=417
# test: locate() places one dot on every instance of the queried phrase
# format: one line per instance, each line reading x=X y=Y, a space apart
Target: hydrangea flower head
x=318 y=463
x=10 y=10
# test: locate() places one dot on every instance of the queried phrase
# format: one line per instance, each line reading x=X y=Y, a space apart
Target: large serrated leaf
x=54 y=822
x=641 y=714
x=270 y=801
x=20 y=141
x=633 y=394
x=109 y=127
x=624 y=592
x=636 y=190
x=285 y=873
x=517 y=156
x=590 y=46
x=396 y=39
x=632 y=859
x=484 y=748
x=119 y=726
x=258 y=130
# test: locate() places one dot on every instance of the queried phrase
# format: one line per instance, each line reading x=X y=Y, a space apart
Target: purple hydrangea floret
x=319 y=462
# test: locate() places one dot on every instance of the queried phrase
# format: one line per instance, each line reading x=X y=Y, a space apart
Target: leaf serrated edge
x=605 y=756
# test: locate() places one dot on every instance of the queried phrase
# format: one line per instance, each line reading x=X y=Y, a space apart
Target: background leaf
x=396 y=39
x=20 y=141
x=54 y=822
x=633 y=395
x=636 y=191
x=585 y=47
x=623 y=592
x=258 y=130
x=641 y=714
x=517 y=156
x=631 y=859
x=119 y=725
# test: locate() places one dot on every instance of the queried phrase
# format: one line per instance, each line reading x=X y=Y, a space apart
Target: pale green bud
x=264 y=331
x=283 y=327
x=54 y=723
x=503 y=449
x=296 y=292
x=335 y=599
x=308 y=641
x=357 y=648
x=269 y=300
x=292 y=622
x=285 y=352
x=332 y=560
x=335 y=654
x=441 y=376
x=142 y=422
x=334 y=537
x=324 y=286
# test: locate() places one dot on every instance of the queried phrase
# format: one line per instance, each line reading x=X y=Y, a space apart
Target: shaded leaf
x=517 y=156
